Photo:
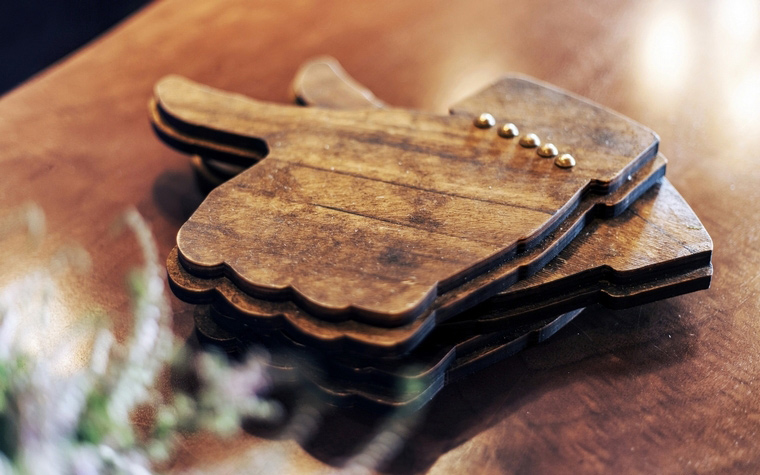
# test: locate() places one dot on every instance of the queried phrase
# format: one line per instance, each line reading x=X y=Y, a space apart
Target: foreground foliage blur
x=54 y=421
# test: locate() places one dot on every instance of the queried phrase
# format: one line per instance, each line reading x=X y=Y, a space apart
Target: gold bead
x=484 y=121
x=508 y=130
x=565 y=161
x=548 y=150
x=530 y=140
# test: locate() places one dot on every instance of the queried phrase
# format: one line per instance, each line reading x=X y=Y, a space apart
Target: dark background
x=36 y=33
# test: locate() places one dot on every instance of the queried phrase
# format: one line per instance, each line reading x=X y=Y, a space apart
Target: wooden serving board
x=313 y=87
x=367 y=338
x=596 y=267
x=592 y=268
x=583 y=274
x=674 y=259
x=322 y=82
x=374 y=215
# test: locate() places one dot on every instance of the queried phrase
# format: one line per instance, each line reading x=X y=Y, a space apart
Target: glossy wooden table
x=670 y=387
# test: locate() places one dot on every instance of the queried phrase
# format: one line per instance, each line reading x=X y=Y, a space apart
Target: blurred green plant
x=63 y=422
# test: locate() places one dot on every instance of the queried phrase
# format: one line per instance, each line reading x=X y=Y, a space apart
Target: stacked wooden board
x=385 y=252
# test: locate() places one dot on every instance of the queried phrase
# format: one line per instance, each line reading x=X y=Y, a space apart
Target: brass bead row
x=510 y=130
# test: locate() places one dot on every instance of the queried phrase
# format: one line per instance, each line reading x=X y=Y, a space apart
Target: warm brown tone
x=320 y=82
x=371 y=214
x=656 y=250
x=669 y=387
x=368 y=337
x=600 y=265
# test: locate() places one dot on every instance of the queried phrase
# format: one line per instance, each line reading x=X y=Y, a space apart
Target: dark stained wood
x=598 y=270
x=377 y=384
x=320 y=82
x=609 y=145
x=609 y=278
x=670 y=387
x=371 y=339
x=403 y=206
x=599 y=266
x=231 y=154
x=674 y=259
x=656 y=249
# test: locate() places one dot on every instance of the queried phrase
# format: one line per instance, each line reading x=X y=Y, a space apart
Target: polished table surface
x=669 y=387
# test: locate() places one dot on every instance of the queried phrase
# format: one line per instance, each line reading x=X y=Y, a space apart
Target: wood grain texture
x=319 y=82
x=670 y=387
x=526 y=313
x=403 y=206
x=322 y=82
x=368 y=339
x=625 y=276
x=610 y=278
x=656 y=243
